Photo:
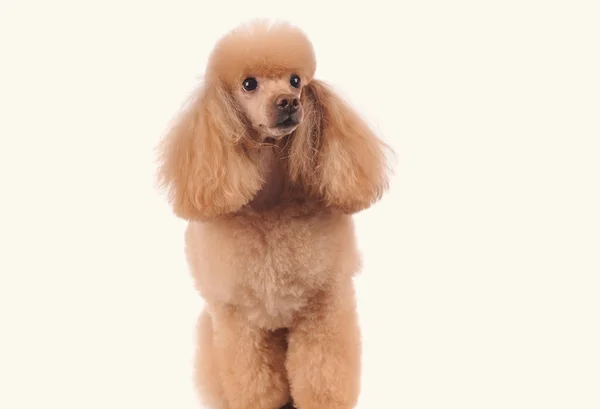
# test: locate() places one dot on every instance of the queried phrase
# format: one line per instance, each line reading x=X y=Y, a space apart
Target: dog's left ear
x=348 y=168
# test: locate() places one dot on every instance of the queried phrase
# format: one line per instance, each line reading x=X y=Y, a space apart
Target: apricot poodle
x=268 y=164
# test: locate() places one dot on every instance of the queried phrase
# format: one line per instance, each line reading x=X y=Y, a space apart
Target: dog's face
x=271 y=104
x=260 y=86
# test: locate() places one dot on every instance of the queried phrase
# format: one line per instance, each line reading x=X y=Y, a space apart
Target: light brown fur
x=270 y=239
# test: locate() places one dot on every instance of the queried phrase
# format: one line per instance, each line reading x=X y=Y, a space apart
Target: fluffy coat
x=270 y=240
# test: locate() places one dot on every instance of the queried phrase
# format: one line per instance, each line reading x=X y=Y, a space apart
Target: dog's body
x=271 y=265
x=269 y=197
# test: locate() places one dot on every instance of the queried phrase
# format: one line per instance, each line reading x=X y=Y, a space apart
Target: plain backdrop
x=480 y=286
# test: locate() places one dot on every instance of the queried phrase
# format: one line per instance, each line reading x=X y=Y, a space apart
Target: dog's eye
x=250 y=84
x=295 y=81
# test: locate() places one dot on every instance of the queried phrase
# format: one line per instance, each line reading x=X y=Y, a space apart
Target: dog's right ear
x=202 y=164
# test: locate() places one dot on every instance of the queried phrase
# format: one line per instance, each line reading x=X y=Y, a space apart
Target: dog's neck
x=270 y=163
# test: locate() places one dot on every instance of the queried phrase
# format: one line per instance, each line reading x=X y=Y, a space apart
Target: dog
x=267 y=164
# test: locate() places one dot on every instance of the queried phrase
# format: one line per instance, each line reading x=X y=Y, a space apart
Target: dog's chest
x=270 y=267
x=272 y=295
x=284 y=266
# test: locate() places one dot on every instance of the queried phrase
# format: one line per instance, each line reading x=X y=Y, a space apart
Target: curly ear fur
x=335 y=153
x=203 y=164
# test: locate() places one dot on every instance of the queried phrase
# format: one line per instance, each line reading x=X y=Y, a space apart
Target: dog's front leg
x=251 y=363
x=324 y=348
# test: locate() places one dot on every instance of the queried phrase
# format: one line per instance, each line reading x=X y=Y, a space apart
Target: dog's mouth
x=289 y=122
x=284 y=126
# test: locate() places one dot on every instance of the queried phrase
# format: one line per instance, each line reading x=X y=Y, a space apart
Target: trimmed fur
x=270 y=240
x=261 y=47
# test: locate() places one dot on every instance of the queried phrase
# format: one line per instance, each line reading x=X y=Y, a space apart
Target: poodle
x=267 y=165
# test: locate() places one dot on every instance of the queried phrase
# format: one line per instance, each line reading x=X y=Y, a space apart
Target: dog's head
x=259 y=87
x=264 y=67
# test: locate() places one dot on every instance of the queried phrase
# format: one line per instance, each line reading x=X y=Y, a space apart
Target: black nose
x=287 y=103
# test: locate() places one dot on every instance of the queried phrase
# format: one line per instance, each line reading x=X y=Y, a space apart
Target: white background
x=481 y=280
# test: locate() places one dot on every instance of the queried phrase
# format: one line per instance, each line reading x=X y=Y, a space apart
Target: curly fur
x=270 y=239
